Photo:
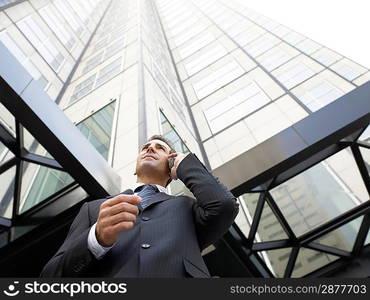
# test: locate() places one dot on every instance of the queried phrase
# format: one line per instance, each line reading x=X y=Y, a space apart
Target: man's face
x=153 y=156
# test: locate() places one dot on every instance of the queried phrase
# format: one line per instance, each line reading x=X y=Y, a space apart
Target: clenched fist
x=115 y=215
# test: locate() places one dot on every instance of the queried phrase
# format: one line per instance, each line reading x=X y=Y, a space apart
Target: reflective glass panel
x=23 y=59
x=365 y=152
x=176 y=186
x=342 y=238
x=320 y=95
x=269 y=228
x=2 y=150
x=367 y=241
x=7 y=192
x=277 y=260
x=98 y=127
x=365 y=136
x=39 y=182
x=310 y=260
x=312 y=198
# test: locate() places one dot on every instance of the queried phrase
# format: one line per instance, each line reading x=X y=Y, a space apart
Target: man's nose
x=150 y=148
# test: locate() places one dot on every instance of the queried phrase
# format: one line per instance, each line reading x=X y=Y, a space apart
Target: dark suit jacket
x=177 y=228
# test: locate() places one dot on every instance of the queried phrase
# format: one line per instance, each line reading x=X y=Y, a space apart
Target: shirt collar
x=162 y=189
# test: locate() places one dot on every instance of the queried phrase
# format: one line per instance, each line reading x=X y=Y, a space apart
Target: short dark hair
x=168 y=142
x=163 y=139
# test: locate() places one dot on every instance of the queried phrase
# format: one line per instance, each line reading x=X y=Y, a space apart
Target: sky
x=342 y=25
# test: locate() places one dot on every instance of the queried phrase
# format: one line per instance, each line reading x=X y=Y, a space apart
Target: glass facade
x=45 y=181
x=214 y=77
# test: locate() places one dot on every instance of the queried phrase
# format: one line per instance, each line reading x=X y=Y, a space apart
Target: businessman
x=144 y=231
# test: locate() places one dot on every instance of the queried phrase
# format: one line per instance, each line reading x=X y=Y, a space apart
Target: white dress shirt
x=92 y=243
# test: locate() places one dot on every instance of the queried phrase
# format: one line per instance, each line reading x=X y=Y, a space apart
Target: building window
x=346 y=71
x=308 y=46
x=261 y=45
x=320 y=95
x=57 y=26
x=206 y=58
x=118 y=32
x=41 y=42
x=170 y=133
x=83 y=88
x=69 y=17
x=6 y=2
x=293 y=38
x=199 y=43
x=100 y=44
x=274 y=60
x=92 y=63
x=236 y=106
x=295 y=75
x=248 y=36
x=109 y=71
x=176 y=186
x=280 y=31
x=82 y=12
x=114 y=48
x=185 y=36
x=97 y=128
x=181 y=26
x=217 y=79
x=238 y=28
x=326 y=56
x=22 y=59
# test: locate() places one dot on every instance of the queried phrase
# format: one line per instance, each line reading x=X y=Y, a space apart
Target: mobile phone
x=171 y=162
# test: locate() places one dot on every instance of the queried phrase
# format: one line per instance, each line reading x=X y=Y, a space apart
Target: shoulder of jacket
x=186 y=198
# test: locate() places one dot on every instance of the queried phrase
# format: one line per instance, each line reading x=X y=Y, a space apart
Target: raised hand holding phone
x=174 y=160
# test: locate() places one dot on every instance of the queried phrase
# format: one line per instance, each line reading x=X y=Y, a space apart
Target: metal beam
x=17 y=189
x=42 y=160
x=361 y=235
x=327 y=249
x=307 y=163
x=333 y=224
x=298 y=143
x=49 y=125
x=271 y=245
x=256 y=218
x=8 y=139
x=291 y=262
x=5 y=222
x=280 y=217
x=7 y=165
x=361 y=166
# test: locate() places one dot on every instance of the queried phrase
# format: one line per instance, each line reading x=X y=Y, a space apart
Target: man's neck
x=147 y=180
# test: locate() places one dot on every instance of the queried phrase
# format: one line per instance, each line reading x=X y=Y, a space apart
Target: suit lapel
x=159 y=197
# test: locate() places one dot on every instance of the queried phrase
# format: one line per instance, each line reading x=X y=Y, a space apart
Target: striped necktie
x=146 y=192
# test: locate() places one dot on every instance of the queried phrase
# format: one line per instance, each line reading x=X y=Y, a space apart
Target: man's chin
x=150 y=166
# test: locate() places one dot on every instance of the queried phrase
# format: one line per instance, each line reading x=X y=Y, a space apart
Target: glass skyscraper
x=214 y=77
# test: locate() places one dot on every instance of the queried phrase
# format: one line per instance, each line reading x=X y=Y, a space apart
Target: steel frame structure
x=310 y=141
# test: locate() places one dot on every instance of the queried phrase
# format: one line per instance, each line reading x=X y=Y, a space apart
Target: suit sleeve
x=73 y=258
x=215 y=208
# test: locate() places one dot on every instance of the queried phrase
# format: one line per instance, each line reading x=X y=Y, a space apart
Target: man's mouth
x=149 y=156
